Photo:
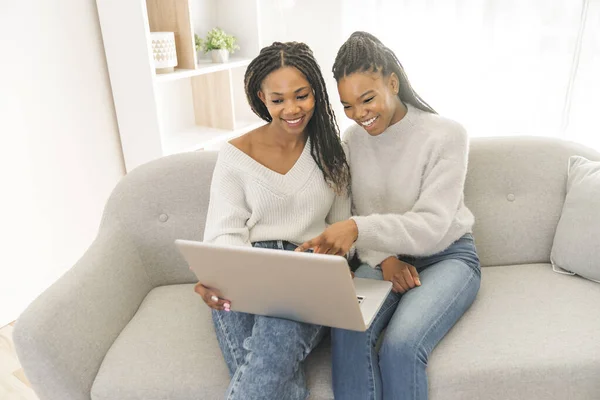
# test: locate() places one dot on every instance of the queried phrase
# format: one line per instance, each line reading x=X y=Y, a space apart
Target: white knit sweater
x=250 y=203
x=407 y=186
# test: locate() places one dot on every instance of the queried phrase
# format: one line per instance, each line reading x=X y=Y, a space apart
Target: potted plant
x=218 y=43
x=197 y=44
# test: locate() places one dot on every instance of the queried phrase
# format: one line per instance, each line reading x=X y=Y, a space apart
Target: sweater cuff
x=367 y=233
x=373 y=258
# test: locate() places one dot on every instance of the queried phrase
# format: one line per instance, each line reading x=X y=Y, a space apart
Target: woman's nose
x=359 y=113
x=291 y=108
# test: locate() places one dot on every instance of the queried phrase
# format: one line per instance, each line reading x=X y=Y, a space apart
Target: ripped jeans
x=265 y=355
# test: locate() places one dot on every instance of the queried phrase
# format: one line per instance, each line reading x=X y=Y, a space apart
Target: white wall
x=60 y=154
x=317 y=23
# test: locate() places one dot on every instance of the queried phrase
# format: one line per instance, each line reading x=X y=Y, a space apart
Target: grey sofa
x=124 y=322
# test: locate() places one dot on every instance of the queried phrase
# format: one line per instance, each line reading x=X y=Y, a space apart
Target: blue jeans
x=416 y=322
x=264 y=355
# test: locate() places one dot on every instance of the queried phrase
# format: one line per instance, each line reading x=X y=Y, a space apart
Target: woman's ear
x=394 y=83
x=262 y=97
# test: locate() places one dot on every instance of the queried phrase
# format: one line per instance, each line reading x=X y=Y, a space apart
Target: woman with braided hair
x=275 y=187
x=411 y=226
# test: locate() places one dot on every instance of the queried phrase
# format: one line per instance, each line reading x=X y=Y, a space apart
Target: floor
x=13 y=383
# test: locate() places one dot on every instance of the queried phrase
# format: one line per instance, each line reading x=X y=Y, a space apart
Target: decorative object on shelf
x=219 y=44
x=197 y=45
x=164 y=51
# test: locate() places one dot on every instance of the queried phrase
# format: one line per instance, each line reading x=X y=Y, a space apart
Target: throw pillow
x=576 y=246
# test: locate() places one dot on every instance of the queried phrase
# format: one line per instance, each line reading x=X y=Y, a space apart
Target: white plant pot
x=164 y=52
x=219 y=56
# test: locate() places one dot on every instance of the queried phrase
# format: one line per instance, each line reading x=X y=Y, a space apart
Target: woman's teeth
x=369 y=122
x=293 y=121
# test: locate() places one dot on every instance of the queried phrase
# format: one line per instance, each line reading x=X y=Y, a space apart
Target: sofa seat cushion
x=531 y=334
x=169 y=351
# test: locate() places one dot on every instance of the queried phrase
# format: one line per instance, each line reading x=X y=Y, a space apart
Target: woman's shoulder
x=442 y=127
x=244 y=143
x=231 y=158
x=352 y=134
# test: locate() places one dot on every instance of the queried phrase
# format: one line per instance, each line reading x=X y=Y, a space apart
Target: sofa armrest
x=63 y=336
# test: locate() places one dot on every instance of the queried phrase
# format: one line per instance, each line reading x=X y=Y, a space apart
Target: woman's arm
x=340 y=209
x=227 y=210
x=418 y=231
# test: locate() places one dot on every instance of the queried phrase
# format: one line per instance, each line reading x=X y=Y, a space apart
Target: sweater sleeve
x=372 y=258
x=341 y=207
x=227 y=209
x=418 y=231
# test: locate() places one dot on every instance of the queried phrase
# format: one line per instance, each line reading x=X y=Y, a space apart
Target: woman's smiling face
x=371 y=100
x=289 y=99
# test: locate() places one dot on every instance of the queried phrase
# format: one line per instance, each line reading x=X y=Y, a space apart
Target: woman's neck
x=399 y=113
x=283 y=140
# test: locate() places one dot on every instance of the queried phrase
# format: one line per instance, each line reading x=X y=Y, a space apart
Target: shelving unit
x=201 y=104
x=203 y=67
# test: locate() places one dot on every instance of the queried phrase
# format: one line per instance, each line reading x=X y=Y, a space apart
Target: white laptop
x=305 y=287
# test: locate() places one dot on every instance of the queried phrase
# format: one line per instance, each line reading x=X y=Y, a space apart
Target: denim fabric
x=265 y=355
x=416 y=322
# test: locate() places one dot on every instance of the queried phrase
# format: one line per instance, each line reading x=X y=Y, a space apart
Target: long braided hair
x=364 y=52
x=323 y=131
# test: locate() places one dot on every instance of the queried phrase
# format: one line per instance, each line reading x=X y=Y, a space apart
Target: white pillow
x=576 y=247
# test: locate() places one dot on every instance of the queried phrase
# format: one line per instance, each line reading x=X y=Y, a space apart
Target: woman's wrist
x=388 y=261
x=387 y=267
x=353 y=227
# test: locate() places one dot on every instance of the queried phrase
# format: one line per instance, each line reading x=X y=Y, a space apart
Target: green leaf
x=217 y=39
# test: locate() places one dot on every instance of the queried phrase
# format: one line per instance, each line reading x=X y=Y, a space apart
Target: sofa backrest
x=159 y=202
x=515 y=187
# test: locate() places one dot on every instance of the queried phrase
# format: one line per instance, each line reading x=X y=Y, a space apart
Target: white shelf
x=204 y=67
x=202 y=137
x=157 y=118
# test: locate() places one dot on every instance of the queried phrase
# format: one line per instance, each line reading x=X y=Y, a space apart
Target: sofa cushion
x=531 y=334
x=169 y=351
x=518 y=341
x=515 y=187
x=576 y=245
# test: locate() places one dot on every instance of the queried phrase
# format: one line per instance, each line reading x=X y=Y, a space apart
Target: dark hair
x=364 y=52
x=326 y=148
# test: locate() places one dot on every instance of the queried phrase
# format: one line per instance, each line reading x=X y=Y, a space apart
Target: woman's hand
x=212 y=298
x=402 y=275
x=336 y=239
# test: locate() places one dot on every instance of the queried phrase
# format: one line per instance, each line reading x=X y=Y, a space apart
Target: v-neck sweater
x=250 y=202
x=408 y=185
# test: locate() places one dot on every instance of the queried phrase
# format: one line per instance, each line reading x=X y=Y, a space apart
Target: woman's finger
x=310 y=244
x=408 y=278
x=323 y=246
x=218 y=303
x=211 y=297
x=399 y=279
x=200 y=289
x=334 y=249
x=396 y=287
x=415 y=275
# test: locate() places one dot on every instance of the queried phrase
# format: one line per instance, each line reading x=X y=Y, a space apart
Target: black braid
x=364 y=52
x=326 y=148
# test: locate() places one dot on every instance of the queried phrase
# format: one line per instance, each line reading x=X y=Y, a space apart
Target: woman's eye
x=346 y=107
x=369 y=99
x=279 y=101
x=302 y=97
